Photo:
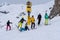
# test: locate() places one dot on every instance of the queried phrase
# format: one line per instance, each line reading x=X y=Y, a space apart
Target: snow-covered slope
x=43 y=32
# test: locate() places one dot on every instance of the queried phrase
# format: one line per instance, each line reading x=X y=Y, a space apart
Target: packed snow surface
x=43 y=32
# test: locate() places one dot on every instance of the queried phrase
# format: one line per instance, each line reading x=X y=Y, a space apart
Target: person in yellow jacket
x=20 y=24
x=32 y=22
x=29 y=20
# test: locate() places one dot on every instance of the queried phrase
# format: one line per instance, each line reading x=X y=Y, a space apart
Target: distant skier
x=20 y=24
x=32 y=22
x=46 y=18
x=39 y=18
x=8 y=25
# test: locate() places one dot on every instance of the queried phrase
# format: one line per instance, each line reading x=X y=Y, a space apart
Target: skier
x=46 y=18
x=8 y=25
x=26 y=27
x=32 y=22
x=39 y=18
x=20 y=24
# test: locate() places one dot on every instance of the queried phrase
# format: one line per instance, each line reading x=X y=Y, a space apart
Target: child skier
x=46 y=18
x=39 y=18
x=32 y=22
x=8 y=25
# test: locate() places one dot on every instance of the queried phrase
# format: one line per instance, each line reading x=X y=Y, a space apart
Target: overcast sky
x=24 y=1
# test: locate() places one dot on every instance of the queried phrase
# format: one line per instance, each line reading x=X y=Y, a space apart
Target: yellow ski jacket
x=32 y=19
x=20 y=25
